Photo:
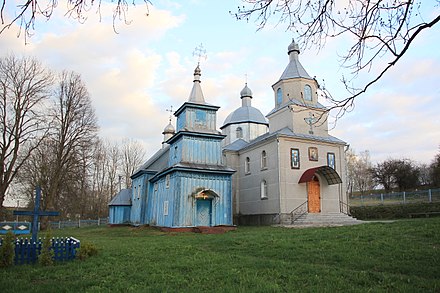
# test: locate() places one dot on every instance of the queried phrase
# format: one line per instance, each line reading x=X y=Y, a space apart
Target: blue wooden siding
x=196 y=149
x=201 y=150
x=221 y=205
x=196 y=119
x=138 y=200
x=182 y=205
x=119 y=215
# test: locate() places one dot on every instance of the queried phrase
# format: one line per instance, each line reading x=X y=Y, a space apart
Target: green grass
x=403 y=256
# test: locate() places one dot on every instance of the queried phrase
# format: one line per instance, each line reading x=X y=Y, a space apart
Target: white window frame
x=263 y=160
x=165 y=208
x=247 y=165
x=263 y=189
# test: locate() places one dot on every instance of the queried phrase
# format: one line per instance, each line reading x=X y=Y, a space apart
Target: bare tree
x=133 y=154
x=435 y=171
x=359 y=171
x=113 y=159
x=24 y=89
x=378 y=29
x=74 y=128
x=28 y=11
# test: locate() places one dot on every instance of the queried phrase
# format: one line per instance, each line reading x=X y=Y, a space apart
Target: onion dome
x=246 y=113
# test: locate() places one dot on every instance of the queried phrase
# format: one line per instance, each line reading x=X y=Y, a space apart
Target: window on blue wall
x=200 y=117
x=156 y=186
x=167 y=181
x=139 y=191
x=165 y=208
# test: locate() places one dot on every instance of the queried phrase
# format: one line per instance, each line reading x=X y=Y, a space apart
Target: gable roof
x=122 y=198
x=157 y=162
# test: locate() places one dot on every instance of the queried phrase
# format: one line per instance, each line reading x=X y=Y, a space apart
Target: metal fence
x=78 y=223
x=418 y=196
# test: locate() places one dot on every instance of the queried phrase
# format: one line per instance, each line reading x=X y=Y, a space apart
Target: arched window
x=279 y=96
x=263 y=189
x=247 y=166
x=307 y=93
x=239 y=132
x=263 y=160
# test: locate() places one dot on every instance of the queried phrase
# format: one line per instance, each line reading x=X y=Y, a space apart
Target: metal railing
x=299 y=211
x=344 y=208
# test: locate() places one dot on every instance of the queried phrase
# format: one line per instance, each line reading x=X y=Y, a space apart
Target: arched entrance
x=204 y=212
x=314 y=195
x=204 y=198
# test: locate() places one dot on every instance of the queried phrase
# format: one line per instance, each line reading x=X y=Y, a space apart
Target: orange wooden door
x=313 y=189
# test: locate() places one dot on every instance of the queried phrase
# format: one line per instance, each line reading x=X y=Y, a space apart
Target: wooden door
x=204 y=212
x=314 y=196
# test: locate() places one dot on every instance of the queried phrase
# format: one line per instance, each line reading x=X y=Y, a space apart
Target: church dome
x=245 y=114
x=246 y=92
x=292 y=47
x=169 y=129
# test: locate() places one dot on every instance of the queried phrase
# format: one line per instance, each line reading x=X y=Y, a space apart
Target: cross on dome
x=171 y=111
x=200 y=52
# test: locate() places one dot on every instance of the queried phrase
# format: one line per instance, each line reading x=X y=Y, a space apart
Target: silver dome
x=245 y=114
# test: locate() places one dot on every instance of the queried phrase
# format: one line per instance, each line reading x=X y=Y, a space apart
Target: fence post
x=362 y=200
x=79 y=222
x=429 y=195
x=98 y=221
x=404 y=197
x=381 y=197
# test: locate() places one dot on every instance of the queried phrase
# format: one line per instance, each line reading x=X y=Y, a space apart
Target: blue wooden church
x=184 y=184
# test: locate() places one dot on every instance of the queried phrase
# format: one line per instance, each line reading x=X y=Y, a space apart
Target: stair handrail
x=344 y=208
x=299 y=211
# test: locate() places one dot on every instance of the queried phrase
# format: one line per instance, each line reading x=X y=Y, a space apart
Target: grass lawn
x=403 y=256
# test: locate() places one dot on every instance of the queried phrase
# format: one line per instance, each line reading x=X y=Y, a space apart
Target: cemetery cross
x=36 y=213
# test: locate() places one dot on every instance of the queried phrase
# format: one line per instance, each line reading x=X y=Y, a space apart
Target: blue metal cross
x=36 y=213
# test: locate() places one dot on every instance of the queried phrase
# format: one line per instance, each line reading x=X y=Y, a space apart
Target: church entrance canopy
x=327 y=172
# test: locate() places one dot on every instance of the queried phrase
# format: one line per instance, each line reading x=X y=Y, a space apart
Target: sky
x=134 y=75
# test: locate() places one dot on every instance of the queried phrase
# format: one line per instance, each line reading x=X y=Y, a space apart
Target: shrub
x=397 y=211
x=7 y=250
x=86 y=250
x=46 y=257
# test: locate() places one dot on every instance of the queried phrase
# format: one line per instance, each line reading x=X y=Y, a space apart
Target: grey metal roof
x=245 y=114
x=236 y=145
x=157 y=162
x=289 y=133
x=122 y=198
x=294 y=69
x=318 y=105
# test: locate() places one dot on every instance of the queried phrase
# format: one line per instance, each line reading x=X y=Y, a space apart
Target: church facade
x=257 y=170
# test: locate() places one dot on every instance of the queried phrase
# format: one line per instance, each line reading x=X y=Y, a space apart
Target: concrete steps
x=325 y=219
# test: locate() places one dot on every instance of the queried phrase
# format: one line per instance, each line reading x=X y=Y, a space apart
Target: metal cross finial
x=171 y=111
x=200 y=52
x=310 y=121
x=245 y=77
